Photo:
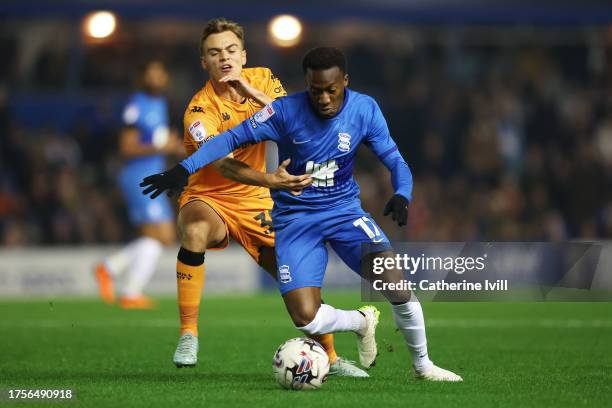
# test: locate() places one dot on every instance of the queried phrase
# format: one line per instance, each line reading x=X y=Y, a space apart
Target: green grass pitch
x=509 y=354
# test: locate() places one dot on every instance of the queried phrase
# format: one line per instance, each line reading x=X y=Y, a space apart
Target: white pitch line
x=515 y=323
x=430 y=323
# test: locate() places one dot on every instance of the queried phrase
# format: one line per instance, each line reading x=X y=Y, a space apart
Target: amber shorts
x=247 y=219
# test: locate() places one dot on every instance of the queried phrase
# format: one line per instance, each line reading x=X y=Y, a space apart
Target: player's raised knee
x=303 y=317
x=195 y=235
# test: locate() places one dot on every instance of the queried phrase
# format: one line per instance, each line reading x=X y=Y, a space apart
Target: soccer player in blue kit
x=144 y=142
x=319 y=130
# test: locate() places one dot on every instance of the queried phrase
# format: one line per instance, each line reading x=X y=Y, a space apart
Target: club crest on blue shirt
x=344 y=142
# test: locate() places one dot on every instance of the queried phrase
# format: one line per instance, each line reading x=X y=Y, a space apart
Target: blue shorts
x=301 y=253
x=141 y=208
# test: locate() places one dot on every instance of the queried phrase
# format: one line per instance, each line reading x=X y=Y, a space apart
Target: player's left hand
x=172 y=180
x=239 y=84
x=398 y=208
x=281 y=179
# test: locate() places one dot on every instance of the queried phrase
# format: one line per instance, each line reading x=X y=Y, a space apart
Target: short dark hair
x=321 y=58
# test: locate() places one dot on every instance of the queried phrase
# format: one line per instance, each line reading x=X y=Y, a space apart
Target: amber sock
x=327 y=341
x=190 y=281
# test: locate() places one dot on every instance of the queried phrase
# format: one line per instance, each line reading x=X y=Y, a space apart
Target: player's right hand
x=172 y=181
x=282 y=180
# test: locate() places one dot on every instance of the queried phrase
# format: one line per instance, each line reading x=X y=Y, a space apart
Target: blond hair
x=220 y=25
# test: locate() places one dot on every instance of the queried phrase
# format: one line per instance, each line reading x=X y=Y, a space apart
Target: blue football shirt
x=323 y=147
x=149 y=115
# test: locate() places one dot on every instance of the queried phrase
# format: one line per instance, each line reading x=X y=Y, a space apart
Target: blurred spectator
x=505 y=142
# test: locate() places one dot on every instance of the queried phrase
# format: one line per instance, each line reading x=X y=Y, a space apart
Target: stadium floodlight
x=285 y=30
x=100 y=24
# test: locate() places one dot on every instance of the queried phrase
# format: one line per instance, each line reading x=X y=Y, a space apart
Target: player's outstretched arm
x=264 y=125
x=279 y=180
x=174 y=180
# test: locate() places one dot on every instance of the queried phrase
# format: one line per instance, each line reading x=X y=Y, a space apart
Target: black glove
x=172 y=180
x=398 y=208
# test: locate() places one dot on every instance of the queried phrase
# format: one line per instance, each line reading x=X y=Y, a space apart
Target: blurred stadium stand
x=504 y=111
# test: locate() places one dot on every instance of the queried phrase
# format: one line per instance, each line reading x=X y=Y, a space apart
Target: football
x=300 y=364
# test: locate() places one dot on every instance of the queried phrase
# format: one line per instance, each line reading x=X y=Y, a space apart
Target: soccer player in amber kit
x=230 y=197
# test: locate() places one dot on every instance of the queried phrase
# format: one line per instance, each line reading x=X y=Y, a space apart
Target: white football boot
x=186 y=354
x=366 y=341
x=346 y=368
x=435 y=373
